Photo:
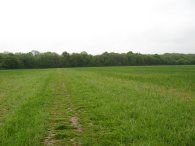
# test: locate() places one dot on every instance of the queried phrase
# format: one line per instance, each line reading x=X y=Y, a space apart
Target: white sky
x=96 y=26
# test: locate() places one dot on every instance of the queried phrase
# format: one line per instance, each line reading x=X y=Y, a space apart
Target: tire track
x=64 y=126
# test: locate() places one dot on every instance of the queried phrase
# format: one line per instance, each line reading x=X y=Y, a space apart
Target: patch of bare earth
x=49 y=141
x=3 y=111
x=75 y=123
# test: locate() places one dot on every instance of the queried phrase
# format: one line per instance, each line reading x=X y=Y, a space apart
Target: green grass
x=25 y=94
x=151 y=105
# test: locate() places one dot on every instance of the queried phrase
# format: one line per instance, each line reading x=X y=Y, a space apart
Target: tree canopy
x=35 y=59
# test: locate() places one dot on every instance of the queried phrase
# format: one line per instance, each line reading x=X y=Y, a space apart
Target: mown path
x=64 y=127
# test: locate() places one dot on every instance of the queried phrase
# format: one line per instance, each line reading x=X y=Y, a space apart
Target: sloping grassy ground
x=152 y=105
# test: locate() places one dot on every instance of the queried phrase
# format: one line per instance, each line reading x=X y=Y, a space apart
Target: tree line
x=35 y=59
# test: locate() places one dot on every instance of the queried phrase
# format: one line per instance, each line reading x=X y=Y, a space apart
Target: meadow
x=126 y=106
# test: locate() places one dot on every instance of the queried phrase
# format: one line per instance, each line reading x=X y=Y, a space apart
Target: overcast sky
x=96 y=26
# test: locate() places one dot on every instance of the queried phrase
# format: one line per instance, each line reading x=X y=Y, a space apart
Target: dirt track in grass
x=64 y=124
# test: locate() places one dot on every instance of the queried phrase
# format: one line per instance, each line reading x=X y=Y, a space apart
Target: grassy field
x=147 y=106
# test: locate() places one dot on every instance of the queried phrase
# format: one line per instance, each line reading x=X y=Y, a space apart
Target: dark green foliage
x=35 y=59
